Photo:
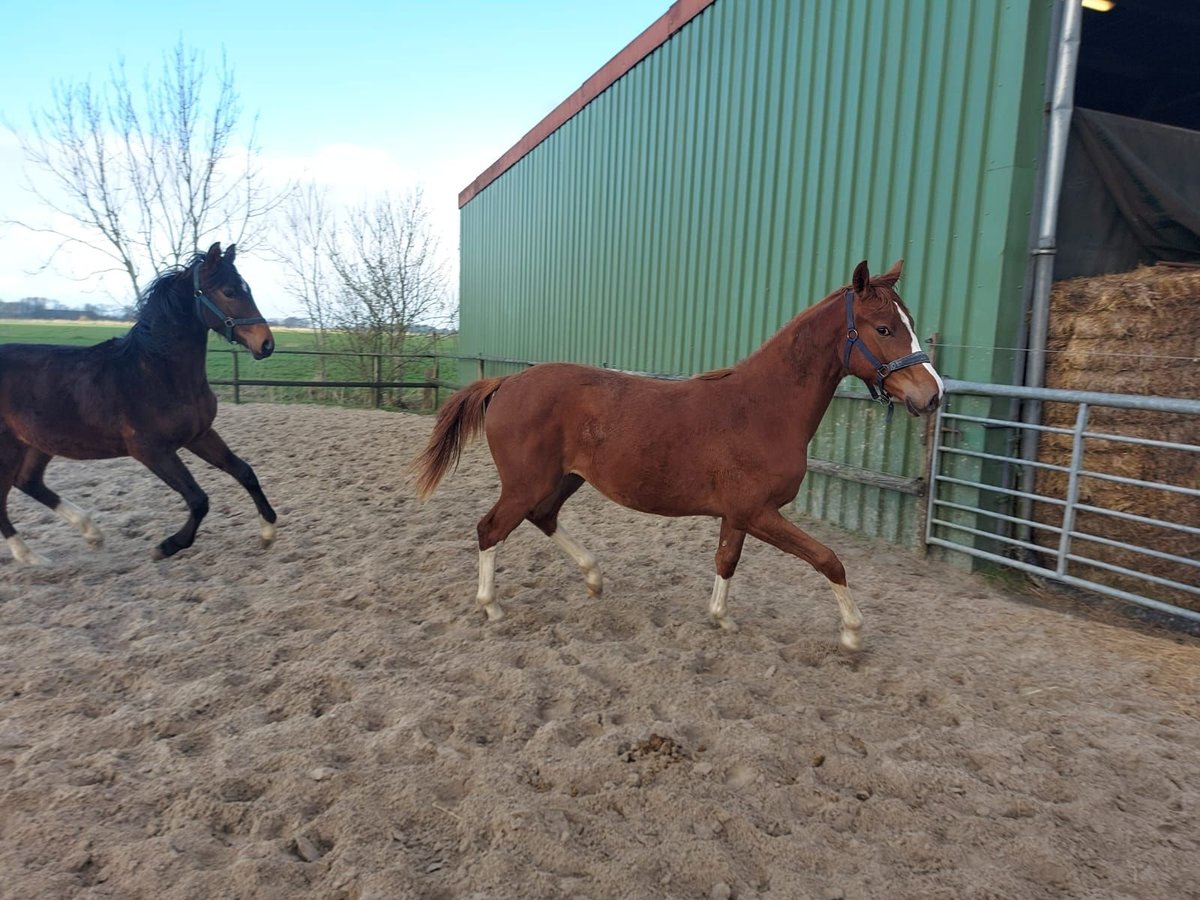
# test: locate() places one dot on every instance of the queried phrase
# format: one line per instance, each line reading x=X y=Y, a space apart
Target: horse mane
x=882 y=291
x=714 y=375
x=164 y=310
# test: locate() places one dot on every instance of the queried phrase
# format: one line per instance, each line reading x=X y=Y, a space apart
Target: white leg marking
x=583 y=559
x=267 y=531
x=487 y=585
x=22 y=554
x=73 y=515
x=718 y=605
x=916 y=347
x=852 y=620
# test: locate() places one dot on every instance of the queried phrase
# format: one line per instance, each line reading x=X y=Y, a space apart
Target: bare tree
x=151 y=176
x=304 y=225
x=388 y=276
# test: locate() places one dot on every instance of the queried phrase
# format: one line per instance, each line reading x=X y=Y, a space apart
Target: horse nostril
x=934 y=403
x=268 y=347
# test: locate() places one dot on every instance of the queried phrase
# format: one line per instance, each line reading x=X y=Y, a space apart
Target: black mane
x=166 y=310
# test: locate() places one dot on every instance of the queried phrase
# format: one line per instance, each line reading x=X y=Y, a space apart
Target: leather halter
x=203 y=300
x=882 y=370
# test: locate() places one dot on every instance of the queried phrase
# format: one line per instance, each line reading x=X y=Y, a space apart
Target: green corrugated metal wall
x=737 y=174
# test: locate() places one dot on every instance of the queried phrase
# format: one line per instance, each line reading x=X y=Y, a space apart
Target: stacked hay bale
x=1133 y=333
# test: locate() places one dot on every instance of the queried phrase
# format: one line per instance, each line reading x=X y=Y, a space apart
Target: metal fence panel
x=1151 y=558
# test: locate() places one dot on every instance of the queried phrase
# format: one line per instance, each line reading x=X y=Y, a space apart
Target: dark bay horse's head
x=224 y=302
x=882 y=347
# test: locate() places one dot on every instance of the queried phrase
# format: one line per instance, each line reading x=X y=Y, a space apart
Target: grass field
x=285 y=365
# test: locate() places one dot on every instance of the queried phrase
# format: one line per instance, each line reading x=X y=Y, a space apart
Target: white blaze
x=916 y=348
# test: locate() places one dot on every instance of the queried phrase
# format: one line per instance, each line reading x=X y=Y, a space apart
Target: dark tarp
x=1130 y=196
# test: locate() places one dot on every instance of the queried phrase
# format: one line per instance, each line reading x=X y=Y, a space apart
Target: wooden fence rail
x=376 y=383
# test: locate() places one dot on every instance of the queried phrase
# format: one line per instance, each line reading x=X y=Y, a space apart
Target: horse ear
x=892 y=275
x=230 y=252
x=213 y=256
x=862 y=277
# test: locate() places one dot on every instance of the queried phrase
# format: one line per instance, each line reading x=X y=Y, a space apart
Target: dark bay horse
x=730 y=444
x=143 y=395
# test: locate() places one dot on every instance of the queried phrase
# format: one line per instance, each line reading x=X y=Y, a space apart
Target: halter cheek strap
x=882 y=370
x=204 y=301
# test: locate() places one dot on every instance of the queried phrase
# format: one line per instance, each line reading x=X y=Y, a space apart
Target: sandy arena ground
x=333 y=718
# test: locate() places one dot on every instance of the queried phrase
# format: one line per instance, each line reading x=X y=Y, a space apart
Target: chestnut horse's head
x=881 y=343
x=225 y=305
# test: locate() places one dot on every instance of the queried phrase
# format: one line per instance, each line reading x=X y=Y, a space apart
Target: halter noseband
x=203 y=300
x=882 y=370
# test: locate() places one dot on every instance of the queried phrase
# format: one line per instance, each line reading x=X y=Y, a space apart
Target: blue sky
x=364 y=97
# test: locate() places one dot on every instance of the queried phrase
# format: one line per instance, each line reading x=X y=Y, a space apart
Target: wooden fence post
x=378 y=368
x=237 y=387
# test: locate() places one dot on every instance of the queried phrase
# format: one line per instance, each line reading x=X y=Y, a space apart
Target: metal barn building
x=733 y=163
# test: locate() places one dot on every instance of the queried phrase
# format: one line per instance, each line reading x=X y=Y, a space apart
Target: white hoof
x=852 y=639
x=73 y=515
x=726 y=623
x=494 y=611
x=22 y=554
x=267 y=531
x=595 y=586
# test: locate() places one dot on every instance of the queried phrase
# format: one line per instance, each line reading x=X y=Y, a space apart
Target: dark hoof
x=166 y=549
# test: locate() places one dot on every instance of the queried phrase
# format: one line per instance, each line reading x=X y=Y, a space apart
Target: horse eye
x=884 y=330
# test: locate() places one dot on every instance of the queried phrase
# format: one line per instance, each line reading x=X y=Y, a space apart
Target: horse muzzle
x=255 y=338
x=915 y=410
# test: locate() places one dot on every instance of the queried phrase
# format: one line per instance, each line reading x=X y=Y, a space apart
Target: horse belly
x=67 y=439
x=649 y=480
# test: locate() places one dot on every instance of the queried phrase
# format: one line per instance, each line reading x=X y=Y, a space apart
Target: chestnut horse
x=729 y=444
x=143 y=395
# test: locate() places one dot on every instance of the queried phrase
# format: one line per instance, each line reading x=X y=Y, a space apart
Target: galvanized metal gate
x=976 y=504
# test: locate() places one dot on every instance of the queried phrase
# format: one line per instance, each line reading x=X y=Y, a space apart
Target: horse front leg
x=729 y=551
x=214 y=451
x=771 y=527
x=167 y=465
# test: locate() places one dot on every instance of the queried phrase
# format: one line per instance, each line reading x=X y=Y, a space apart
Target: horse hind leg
x=507 y=513
x=11 y=454
x=513 y=507
x=31 y=480
x=545 y=517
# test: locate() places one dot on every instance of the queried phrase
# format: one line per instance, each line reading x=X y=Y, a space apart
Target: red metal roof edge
x=680 y=13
